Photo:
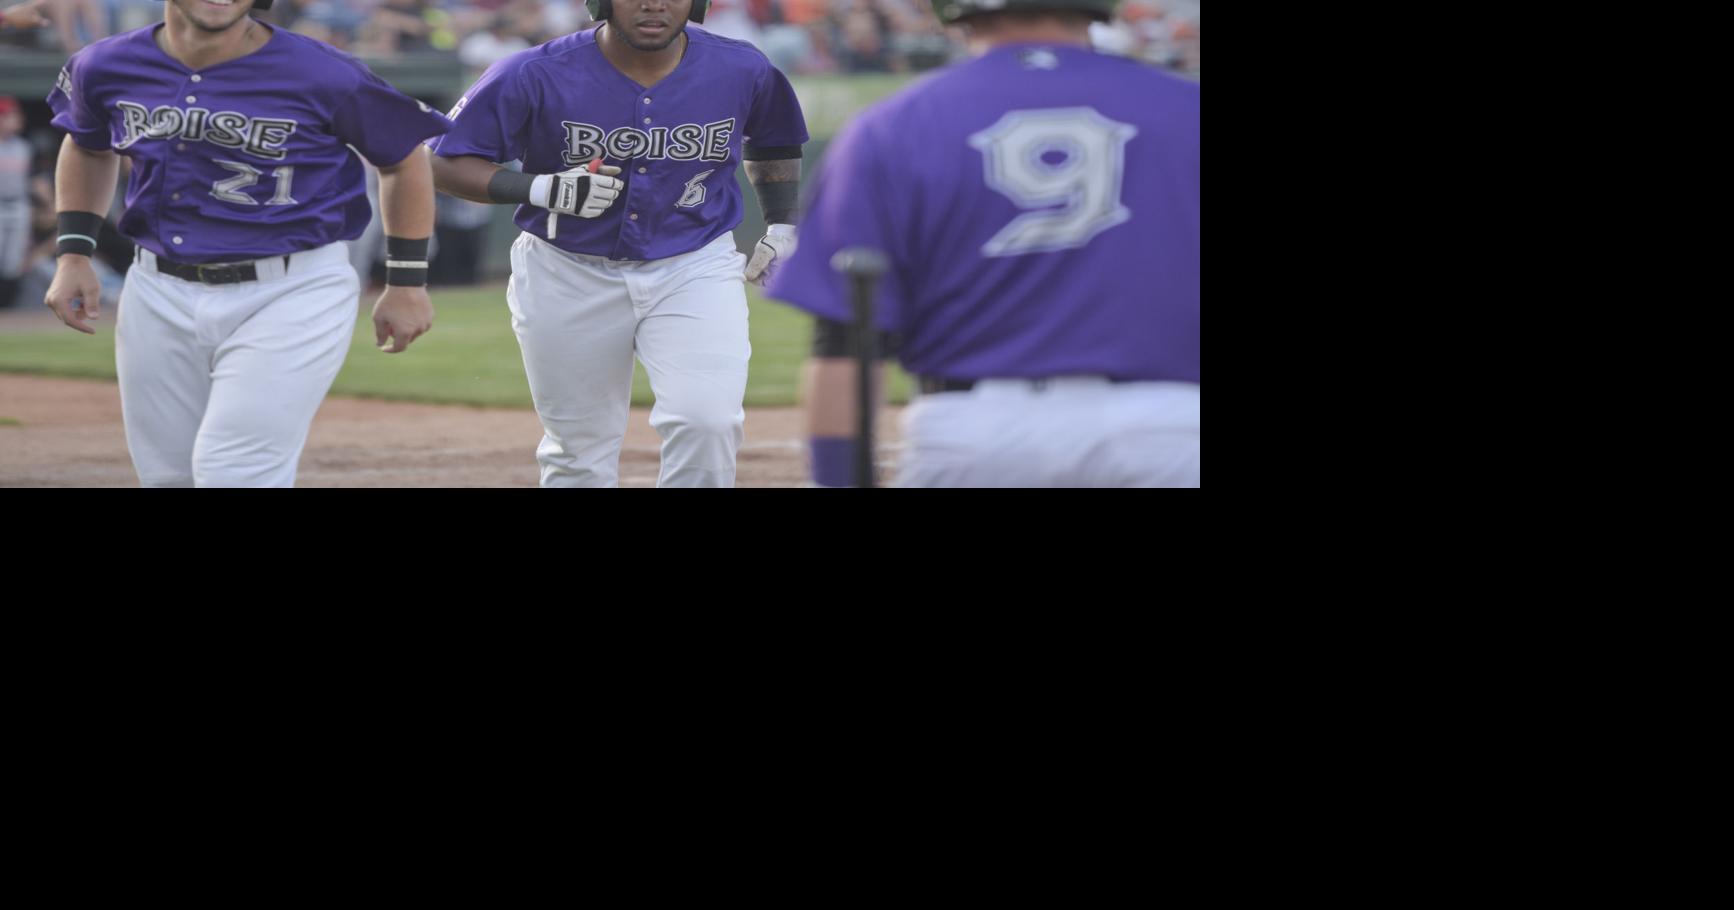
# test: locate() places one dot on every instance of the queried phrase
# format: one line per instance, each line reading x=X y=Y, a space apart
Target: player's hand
x=579 y=192
x=25 y=15
x=773 y=250
x=402 y=315
x=75 y=292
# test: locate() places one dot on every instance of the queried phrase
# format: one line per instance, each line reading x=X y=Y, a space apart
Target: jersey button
x=176 y=240
x=643 y=170
x=647 y=101
x=647 y=120
x=181 y=148
x=175 y=196
x=633 y=216
x=198 y=78
x=192 y=99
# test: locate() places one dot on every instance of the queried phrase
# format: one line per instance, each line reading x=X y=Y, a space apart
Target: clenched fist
x=75 y=294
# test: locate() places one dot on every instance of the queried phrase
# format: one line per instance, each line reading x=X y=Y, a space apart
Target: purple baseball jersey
x=557 y=106
x=1039 y=206
x=246 y=159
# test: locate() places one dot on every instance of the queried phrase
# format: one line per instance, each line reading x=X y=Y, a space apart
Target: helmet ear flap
x=698 y=10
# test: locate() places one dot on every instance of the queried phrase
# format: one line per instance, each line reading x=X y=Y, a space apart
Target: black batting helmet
x=603 y=9
x=955 y=10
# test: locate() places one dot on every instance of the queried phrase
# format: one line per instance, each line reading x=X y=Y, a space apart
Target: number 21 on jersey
x=245 y=176
x=1065 y=166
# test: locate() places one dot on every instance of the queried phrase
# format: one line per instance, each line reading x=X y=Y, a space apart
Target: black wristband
x=510 y=187
x=405 y=262
x=779 y=201
x=76 y=233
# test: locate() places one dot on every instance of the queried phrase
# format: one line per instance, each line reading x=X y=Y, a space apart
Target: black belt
x=933 y=385
x=222 y=273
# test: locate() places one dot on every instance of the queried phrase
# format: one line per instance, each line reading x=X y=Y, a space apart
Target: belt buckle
x=222 y=273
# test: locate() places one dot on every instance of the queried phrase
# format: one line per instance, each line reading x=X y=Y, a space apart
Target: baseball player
x=629 y=136
x=240 y=306
x=1043 y=280
x=15 y=155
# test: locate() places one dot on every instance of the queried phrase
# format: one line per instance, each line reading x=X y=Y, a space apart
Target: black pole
x=863 y=266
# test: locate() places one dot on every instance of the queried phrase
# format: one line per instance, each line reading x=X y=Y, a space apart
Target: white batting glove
x=577 y=191
x=777 y=245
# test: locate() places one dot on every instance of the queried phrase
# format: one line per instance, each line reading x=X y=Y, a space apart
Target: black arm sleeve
x=779 y=202
x=508 y=187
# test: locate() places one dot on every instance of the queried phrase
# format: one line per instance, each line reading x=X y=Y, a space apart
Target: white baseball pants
x=580 y=319
x=219 y=383
x=1065 y=432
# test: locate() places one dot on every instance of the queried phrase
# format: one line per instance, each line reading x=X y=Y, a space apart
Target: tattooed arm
x=778 y=185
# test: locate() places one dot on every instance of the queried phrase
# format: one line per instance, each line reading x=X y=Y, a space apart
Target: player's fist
x=579 y=192
x=402 y=314
x=75 y=284
x=25 y=15
x=773 y=250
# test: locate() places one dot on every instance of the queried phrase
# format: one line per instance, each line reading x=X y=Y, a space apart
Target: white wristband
x=540 y=189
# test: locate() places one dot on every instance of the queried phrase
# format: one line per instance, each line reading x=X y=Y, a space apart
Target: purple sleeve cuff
x=833 y=461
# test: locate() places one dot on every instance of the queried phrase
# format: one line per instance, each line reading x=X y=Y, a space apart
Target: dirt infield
x=67 y=433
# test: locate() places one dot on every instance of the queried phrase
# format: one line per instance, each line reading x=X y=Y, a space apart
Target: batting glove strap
x=773 y=249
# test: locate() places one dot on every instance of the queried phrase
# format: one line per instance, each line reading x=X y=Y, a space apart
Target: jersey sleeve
x=382 y=123
x=73 y=112
x=491 y=120
x=850 y=206
x=775 y=118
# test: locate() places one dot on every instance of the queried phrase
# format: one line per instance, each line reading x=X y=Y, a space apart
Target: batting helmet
x=262 y=4
x=603 y=9
x=954 y=10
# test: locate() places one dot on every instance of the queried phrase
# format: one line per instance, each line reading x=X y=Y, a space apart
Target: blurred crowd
x=800 y=36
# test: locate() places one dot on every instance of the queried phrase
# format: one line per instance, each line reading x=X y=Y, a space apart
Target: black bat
x=863 y=266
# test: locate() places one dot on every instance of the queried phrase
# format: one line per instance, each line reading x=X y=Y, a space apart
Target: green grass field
x=470 y=357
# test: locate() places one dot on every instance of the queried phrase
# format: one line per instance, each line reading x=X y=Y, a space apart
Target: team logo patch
x=260 y=136
x=694 y=195
x=687 y=142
